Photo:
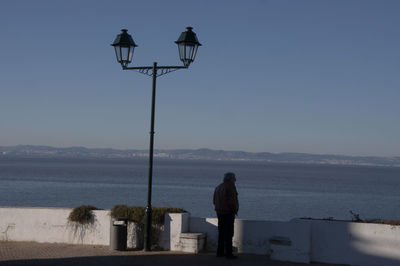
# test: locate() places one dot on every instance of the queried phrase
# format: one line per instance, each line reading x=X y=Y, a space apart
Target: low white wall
x=310 y=240
x=174 y=225
x=355 y=243
x=296 y=240
x=51 y=225
x=254 y=237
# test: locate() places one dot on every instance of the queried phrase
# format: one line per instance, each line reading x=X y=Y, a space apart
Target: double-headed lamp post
x=124 y=47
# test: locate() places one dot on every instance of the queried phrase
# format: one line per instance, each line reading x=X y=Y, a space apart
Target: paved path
x=32 y=253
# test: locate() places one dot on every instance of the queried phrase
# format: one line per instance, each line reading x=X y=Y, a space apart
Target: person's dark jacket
x=226 y=198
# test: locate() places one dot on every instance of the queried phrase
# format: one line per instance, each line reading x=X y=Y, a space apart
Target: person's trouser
x=225 y=234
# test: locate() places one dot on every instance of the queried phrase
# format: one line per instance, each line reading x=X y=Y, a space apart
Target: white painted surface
x=192 y=242
x=209 y=226
x=179 y=223
x=296 y=240
x=134 y=235
x=253 y=237
x=51 y=225
x=355 y=243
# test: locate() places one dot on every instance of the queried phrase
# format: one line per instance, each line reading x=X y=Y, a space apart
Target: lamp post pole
x=124 y=46
x=149 y=211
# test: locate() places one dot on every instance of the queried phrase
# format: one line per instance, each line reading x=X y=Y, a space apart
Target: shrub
x=389 y=222
x=159 y=213
x=356 y=217
x=82 y=214
x=137 y=214
x=120 y=211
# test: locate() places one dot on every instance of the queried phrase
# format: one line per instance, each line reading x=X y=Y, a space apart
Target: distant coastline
x=30 y=151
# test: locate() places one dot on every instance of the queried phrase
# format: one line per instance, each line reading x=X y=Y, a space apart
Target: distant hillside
x=24 y=151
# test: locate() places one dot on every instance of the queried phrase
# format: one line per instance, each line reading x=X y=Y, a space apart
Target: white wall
x=310 y=240
x=174 y=225
x=355 y=243
x=51 y=225
x=254 y=237
x=296 y=240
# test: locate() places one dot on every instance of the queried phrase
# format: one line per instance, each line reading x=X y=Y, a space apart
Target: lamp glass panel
x=126 y=56
x=194 y=52
x=118 y=53
x=189 y=52
x=181 y=48
x=131 y=53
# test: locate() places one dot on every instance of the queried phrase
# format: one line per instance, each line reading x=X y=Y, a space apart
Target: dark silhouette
x=226 y=206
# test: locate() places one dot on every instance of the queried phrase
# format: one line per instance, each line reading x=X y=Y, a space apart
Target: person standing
x=226 y=206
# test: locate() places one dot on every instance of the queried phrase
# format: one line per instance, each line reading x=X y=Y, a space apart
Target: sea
x=267 y=191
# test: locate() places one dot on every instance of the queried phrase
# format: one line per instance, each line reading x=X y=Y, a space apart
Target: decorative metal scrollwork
x=159 y=72
x=148 y=72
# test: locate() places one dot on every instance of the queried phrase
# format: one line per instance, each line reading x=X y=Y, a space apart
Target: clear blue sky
x=312 y=76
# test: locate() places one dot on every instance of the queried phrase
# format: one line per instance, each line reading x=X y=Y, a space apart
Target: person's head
x=230 y=177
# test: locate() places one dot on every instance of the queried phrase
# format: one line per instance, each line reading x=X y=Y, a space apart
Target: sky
x=315 y=76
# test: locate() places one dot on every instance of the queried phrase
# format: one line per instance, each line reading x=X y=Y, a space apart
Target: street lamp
x=124 y=47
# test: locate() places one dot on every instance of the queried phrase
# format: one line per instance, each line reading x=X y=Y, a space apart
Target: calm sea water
x=266 y=191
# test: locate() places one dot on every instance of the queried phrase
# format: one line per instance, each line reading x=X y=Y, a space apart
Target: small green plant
x=137 y=214
x=82 y=214
x=159 y=213
x=389 y=222
x=120 y=211
x=356 y=217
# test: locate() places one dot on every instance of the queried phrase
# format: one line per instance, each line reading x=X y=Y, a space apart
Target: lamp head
x=187 y=46
x=124 y=47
